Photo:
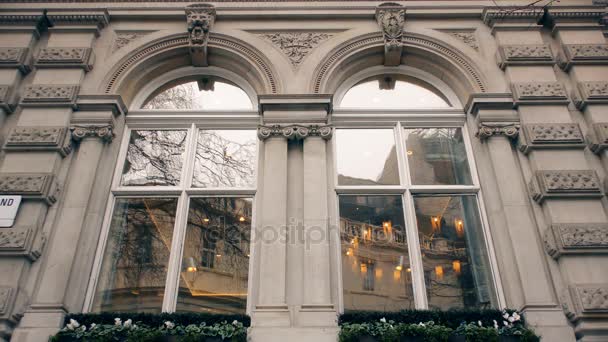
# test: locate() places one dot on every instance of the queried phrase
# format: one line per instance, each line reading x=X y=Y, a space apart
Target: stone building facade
x=484 y=124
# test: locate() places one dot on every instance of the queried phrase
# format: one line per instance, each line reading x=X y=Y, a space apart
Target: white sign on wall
x=8 y=210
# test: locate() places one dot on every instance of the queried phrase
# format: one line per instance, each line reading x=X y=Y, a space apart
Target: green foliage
x=152 y=319
x=388 y=331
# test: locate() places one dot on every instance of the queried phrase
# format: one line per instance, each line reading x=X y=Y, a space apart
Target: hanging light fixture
x=191 y=265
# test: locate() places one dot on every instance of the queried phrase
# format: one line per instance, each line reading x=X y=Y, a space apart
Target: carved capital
x=576 y=238
x=598 y=138
x=21 y=242
x=547 y=184
x=583 y=54
x=391 y=19
x=595 y=92
x=490 y=129
x=103 y=132
x=529 y=54
x=35 y=186
x=296 y=45
x=590 y=298
x=50 y=95
x=39 y=139
x=65 y=57
x=15 y=57
x=295 y=132
x=539 y=93
x=6 y=294
x=551 y=135
x=200 y=19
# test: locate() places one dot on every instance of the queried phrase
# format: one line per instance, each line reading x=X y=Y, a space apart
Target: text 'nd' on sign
x=9 y=205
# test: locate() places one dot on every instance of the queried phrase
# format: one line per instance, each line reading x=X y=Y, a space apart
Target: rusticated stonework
x=564 y=183
x=539 y=92
x=5 y=297
x=391 y=19
x=551 y=135
x=200 y=19
x=65 y=57
x=598 y=139
x=104 y=132
x=49 y=95
x=296 y=45
x=487 y=130
x=583 y=54
x=30 y=186
x=13 y=239
x=594 y=92
x=39 y=138
x=576 y=238
x=126 y=37
x=591 y=298
x=295 y=132
x=530 y=54
x=13 y=57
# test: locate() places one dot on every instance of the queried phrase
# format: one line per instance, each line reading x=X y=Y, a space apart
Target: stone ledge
x=66 y=57
x=576 y=238
x=548 y=184
x=35 y=186
x=15 y=57
x=550 y=136
x=529 y=54
x=39 y=139
x=539 y=93
x=583 y=54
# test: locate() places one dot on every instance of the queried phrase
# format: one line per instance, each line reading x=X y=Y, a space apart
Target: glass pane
x=225 y=159
x=376 y=272
x=437 y=156
x=154 y=158
x=455 y=259
x=204 y=94
x=215 y=261
x=392 y=92
x=366 y=157
x=134 y=267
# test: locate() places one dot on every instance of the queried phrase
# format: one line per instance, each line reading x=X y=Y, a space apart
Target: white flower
x=169 y=325
x=505 y=315
x=69 y=326
x=421 y=324
x=74 y=323
x=93 y=325
x=383 y=320
x=235 y=322
x=516 y=316
x=511 y=319
x=117 y=321
x=505 y=323
x=128 y=323
x=479 y=323
x=495 y=324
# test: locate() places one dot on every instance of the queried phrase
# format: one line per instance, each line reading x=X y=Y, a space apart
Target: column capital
x=104 y=132
x=490 y=129
x=295 y=132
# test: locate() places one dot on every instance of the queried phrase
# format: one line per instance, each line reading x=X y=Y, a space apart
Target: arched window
x=412 y=232
x=177 y=233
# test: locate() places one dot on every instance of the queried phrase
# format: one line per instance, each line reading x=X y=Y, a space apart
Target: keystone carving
x=551 y=135
x=13 y=57
x=564 y=183
x=576 y=238
x=200 y=19
x=295 y=132
x=50 y=95
x=595 y=92
x=540 y=93
x=67 y=57
x=592 y=298
x=104 y=132
x=598 y=140
x=297 y=45
x=490 y=129
x=39 y=139
x=540 y=54
x=583 y=54
x=30 y=186
x=391 y=19
x=5 y=298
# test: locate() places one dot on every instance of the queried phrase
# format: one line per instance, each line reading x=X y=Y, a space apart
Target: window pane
x=215 y=261
x=134 y=267
x=154 y=158
x=454 y=255
x=437 y=156
x=376 y=270
x=366 y=157
x=225 y=159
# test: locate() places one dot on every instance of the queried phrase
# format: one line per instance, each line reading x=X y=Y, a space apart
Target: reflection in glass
x=454 y=255
x=154 y=158
x=366 y=157
x=391 y=92
x=437 y=156
x=376 y=270
x=215 y=260
x=134 y=267
x=206 y=94
x=225 y=159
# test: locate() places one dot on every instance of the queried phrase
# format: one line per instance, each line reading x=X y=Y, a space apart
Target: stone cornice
x=539 y=93
x=576 y=238
x=15 y=57
x=35 y=186
x=295 y=132
x=85 y=20
x=65 y=57
x=583 y=54
x=104 y=102
x=489 y=101
x=547 y=184
x=529 y=54
x=39 y=138
x=531 y=17
x=550 y=136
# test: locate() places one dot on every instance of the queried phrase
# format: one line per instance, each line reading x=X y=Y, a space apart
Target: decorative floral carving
x=126 y=37
x=560 y=135
x=584 y=54
x=489 y=129
x=13 y=57
x=33 y=186
x=13 y=239
x=591 y=92
x=565 y=183
x=598 y=141
x=38 y=138
x=576 y=238
x=467 y=37
x=296 y=132
x=553 y=92
x=200 y=19
x=5 y=296
x=391 y=19
x=104 y=132
x=65 y=57
x=297 y=45
x=50 y=94
x=529 y=54
x=591 y=298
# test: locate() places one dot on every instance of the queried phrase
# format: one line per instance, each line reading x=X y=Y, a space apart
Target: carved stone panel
x=296 y=45
x=65 y=57
x=574 y=54
x=13 y=57
x=489 y=129
x=21 y=242
x=13 y=239
x=540 y=93
x=39 y=138
x=529 y=54
x=576 y=238
x=564 y=183
x=5 y=299
x=551 y=135
x=466 y=36
x=590 y=298
x=295 y=132
x=200 y=19
x=38 y=186
x=126 y=37
x=595 y=92
x=598 y=138
x=50 y=95
x=391 y=19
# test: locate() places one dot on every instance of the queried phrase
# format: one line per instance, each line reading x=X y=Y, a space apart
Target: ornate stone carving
x=467 y=37
x=92 y=21
x=295 y=132
x=593 y=92
x=574 y=54
x=39 y=138
x=13 y=239
x=598 y=139
x=104 y=132
x=529 y=54
x=5 y=299
x=296 y=45
x=591 y=298
x=50 y=95
x=65 y=57
x=200 y=18
x=551 y=135
x=38 y=186
x=564 y=183
x=540 y=93
x=489 y=129
x=126 y=37
x=5 y=101
x=391 y=19
x=576 y=238
x=13 y=57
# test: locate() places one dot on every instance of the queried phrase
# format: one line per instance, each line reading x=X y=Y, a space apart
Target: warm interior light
x=242 y=219
x=218 y=255
x=135 y=291
x=459 y=224
x=399 y=266
x=439 y=272
x=436 y=223
x=410 y=152
x=349 y=252
x=191 y=265
x=408 y=270
x=378 y=273
x=456 y=266
x=206 y=219
x=363 y=267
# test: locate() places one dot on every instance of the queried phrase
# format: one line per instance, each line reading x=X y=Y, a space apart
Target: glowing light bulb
x=242 y=219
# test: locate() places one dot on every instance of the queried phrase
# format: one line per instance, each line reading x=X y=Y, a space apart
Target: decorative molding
x=551 y=135
x=576 y=238
x=50 y=95
x=15 y=57
x=66 y=57
x=200 y=19
x=539 y=93
x=296 y=45
x=598 y=137
x=529 y=54
x=37 y=186
x=595 y=92
x=39 y=139
x=124 y=38
x=494 y=15
x=547 y=184
x=21 y=241
x=391 y=19
x=490 y=129
x=5 y=299
x=590 y=298
x=295 y=132
x=104 y=132
x=92 y=20
x=466 y=36
x=13 y=239
x=583 y=54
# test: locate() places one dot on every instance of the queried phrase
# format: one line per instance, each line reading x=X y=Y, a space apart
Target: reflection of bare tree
x=178 y=97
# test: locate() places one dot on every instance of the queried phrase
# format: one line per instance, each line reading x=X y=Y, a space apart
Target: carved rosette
x=576 y=238
x=295 y=132
x=65 y=57
x=590 y=298
x=547 y=184
x=36 y=186
x=540 y=93
x=103 y=132
x=14 y=57
x=296 y=45
x=391 y=19
x=50 y=95
x=592 y=92
x=529 y=54
x=200 y=19
x=551 y=135
x=583 y=54
x=598 y=139
x=39 y=139
x=490 y=129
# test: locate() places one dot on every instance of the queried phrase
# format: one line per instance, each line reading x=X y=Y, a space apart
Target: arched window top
x=201 y=93
x=391 y=91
